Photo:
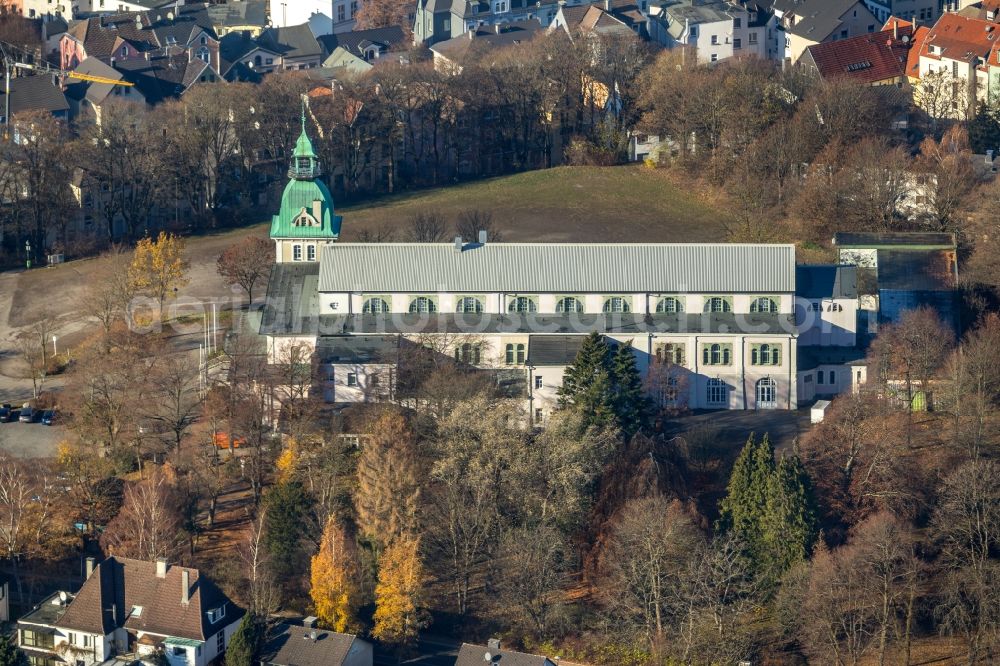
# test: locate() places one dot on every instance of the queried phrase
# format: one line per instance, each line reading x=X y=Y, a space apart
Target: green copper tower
x=306 y=221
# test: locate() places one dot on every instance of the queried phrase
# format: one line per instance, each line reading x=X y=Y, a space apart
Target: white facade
x=713 y=33
x=324 y=17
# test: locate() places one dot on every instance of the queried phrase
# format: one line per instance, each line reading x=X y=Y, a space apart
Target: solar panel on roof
x=858 y=66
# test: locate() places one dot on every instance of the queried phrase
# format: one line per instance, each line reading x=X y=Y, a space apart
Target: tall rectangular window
x=296 y=253
x=311 y=252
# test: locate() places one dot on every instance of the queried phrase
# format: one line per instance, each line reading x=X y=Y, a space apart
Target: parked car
x=27 y=414
x=6 y=413
x=48 y=416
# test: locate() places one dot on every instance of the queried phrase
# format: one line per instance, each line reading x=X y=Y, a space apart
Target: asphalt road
x=429 y=651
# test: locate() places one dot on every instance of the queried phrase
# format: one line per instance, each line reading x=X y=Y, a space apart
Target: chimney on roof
x=607 y=5
x=310 y=622
x=161 y=567
x=895 y=29
x=88 y=567
x=185 y=586
x=493 y=644
x=458 y=243
x=482 y=237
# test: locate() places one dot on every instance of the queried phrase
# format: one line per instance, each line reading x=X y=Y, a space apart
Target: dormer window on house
x=305 y=219
x=216 y=614
x=124 y=51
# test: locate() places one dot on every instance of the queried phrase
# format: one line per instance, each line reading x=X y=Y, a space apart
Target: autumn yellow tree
x=398 y=594
x=158 y=266
x=334 y=590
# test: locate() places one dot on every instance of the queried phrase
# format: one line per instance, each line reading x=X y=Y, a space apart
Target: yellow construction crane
x=12 y=64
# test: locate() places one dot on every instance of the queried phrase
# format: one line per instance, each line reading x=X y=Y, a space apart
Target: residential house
x=135 y=35
x=809 y=22
x=924 y=11
x=87 y=99
x=296 y=44
x=438 y=20
x=608 y=17
x=958 y=66
x=492 y=655
x=34 y=93
x=451 y=54
x=243 y=58
x=131 y=608
x=713 y=30
x=305 y=645
x=243 y=16
x=877 y=59
x=325 y=17
x=357 y=51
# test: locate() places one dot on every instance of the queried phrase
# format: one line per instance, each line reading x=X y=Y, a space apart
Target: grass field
x=575 y=204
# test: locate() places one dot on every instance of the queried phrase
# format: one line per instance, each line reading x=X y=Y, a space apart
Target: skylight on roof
x=136 y=611
x=858 y=66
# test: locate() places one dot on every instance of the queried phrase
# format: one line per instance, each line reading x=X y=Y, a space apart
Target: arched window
x=422 y=304
x=569 y=304
x=717 y=354
x=764 y=304
x=616 y=304
x=467 y=353
x=717 y=304
x=469 y=304
x=717 y=392
x=514 y=354
x=835 y=307
x=669 y=305
x=375 y=306
x=203 y=54
x=767 y=393
x=522 y=304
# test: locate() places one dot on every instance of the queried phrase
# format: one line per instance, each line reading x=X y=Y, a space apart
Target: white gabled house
x=131 y=610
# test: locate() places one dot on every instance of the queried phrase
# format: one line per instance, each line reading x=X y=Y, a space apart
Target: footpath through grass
x=570 y=204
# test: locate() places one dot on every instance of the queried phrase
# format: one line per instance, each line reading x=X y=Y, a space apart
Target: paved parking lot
x=30 y=440
x=735 y=426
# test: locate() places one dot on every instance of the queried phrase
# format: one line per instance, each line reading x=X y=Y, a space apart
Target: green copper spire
x=305 y=165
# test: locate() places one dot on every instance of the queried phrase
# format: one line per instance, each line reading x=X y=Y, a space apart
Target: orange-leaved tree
x=334 y=589
x=399 y=592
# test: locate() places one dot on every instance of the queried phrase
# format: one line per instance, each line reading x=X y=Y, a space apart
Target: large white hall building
x=713 y=326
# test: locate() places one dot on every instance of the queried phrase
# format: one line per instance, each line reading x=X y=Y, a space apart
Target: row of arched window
x=568 y=304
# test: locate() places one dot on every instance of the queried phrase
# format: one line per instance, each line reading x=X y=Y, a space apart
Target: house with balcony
x=131 y=609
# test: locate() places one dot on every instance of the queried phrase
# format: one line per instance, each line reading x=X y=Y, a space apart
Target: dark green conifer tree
x=631 y=403
x=789 y=525
x=245 y=642
x=10 y=654
x=742 y=509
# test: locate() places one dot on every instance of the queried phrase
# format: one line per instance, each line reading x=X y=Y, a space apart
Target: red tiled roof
x=916 y=47
x=866 y=58
x=961 y=38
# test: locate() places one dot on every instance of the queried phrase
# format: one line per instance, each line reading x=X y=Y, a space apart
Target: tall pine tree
x=789 y=524
x=631 y=403
x=245 y=643
x=588 y=385
x=742 y=510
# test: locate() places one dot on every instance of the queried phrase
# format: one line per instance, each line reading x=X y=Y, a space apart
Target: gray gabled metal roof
x=557 y=268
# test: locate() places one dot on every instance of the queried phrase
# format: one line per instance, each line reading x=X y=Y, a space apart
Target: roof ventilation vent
x=458 y=243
